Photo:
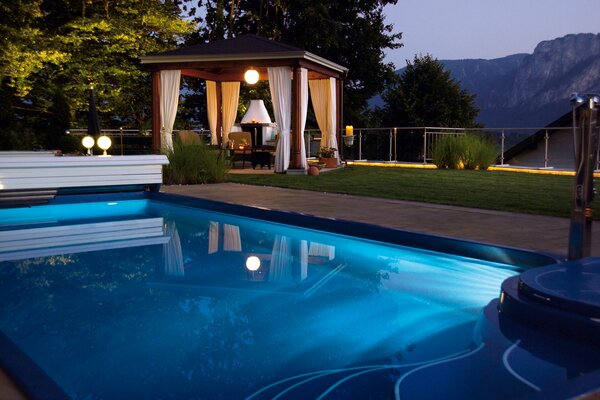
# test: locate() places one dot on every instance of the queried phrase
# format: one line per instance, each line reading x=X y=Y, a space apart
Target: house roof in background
x=531 y=142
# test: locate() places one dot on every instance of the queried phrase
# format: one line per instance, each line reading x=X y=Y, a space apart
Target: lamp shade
x=257 y=113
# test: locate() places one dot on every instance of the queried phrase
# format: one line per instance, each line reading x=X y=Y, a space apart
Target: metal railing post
x=425 y=146
x=359 y=144
x=121 y=135
x=395 y=145
x=546 y=149
x=390 y=152
x=502 y=137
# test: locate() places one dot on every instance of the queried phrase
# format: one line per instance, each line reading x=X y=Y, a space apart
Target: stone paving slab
x=533 y=232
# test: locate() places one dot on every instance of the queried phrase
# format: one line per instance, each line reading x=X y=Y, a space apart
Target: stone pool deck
x=533 y=232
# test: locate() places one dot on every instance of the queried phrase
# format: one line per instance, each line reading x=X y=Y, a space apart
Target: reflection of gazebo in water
x=222 y=64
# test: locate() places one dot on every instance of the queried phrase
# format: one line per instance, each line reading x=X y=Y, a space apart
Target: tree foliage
x=426 y=95
x=53 y=50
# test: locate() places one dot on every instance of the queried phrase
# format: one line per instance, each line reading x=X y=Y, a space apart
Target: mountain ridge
x=529 y=90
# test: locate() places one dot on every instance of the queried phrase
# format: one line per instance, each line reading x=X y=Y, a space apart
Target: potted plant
x=327 y=156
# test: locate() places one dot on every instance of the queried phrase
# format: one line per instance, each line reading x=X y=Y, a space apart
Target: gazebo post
x=219 y=125
x=156 y=112
x=295 y=142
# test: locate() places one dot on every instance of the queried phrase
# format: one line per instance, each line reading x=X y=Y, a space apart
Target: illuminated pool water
x=146 y=299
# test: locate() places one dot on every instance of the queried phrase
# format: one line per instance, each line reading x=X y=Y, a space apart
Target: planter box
x=329 y=162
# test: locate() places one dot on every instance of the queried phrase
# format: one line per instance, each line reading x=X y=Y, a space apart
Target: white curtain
x=172 y=253
x=169 y=99
x=231 y=96
x=280 y=269
x=211 y=110
x=332 y=125
x=323 y=95
x=303 y=111
x=280 y=84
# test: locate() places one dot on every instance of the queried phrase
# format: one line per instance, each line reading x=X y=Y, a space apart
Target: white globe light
x=87 y=142
x=251 y=76
x=104 y=142
x=252 y=263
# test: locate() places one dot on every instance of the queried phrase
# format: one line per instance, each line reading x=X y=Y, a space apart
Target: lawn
x=495 y=190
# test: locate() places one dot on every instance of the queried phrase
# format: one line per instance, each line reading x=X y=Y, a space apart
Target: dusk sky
x=457 y=29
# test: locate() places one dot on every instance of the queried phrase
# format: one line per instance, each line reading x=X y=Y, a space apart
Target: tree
x=426 y=95
x=105 y=46
x=61 y=46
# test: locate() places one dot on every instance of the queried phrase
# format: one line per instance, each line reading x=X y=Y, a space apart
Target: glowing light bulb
x=88 y=143
x=252 y=263
x=104 y=143
x=251 y=76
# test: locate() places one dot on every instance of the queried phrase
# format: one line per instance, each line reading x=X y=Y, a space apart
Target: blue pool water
x=144 y=299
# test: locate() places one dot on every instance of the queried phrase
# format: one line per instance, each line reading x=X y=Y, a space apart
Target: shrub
x=448 y=152
x=193 y=164
x=470 y=151
x=479 y=152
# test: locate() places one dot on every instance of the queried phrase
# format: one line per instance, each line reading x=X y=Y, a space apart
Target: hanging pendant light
x=251 y=76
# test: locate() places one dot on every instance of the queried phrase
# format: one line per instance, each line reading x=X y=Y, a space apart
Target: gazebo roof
x=226 y=58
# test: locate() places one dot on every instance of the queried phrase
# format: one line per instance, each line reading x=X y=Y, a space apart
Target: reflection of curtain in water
x=282 y=260
x=321 y=250
x=231 y=238
x=280 y=269
x=303 y=259
x=172 y=253
x=213 y=237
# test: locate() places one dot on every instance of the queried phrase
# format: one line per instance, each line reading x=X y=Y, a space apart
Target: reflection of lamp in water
x=88 y=143
x=253 y=263
x=104 y=143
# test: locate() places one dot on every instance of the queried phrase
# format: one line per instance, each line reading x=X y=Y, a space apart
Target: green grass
x=495 y=190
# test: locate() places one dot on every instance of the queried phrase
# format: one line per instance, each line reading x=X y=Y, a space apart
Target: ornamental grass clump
x=468 y=151
x=479 y=152
x=191 y=164
x=447 y=153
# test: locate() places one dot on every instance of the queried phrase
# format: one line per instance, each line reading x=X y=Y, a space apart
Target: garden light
x=88 y=143
x=104 y=143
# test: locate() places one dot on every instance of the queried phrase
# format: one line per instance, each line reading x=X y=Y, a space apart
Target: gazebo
x=224 y=63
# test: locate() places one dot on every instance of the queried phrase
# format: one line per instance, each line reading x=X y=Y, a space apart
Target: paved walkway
x=534 y=232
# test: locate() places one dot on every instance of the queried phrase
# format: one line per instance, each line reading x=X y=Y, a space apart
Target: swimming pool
x=158 y=296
